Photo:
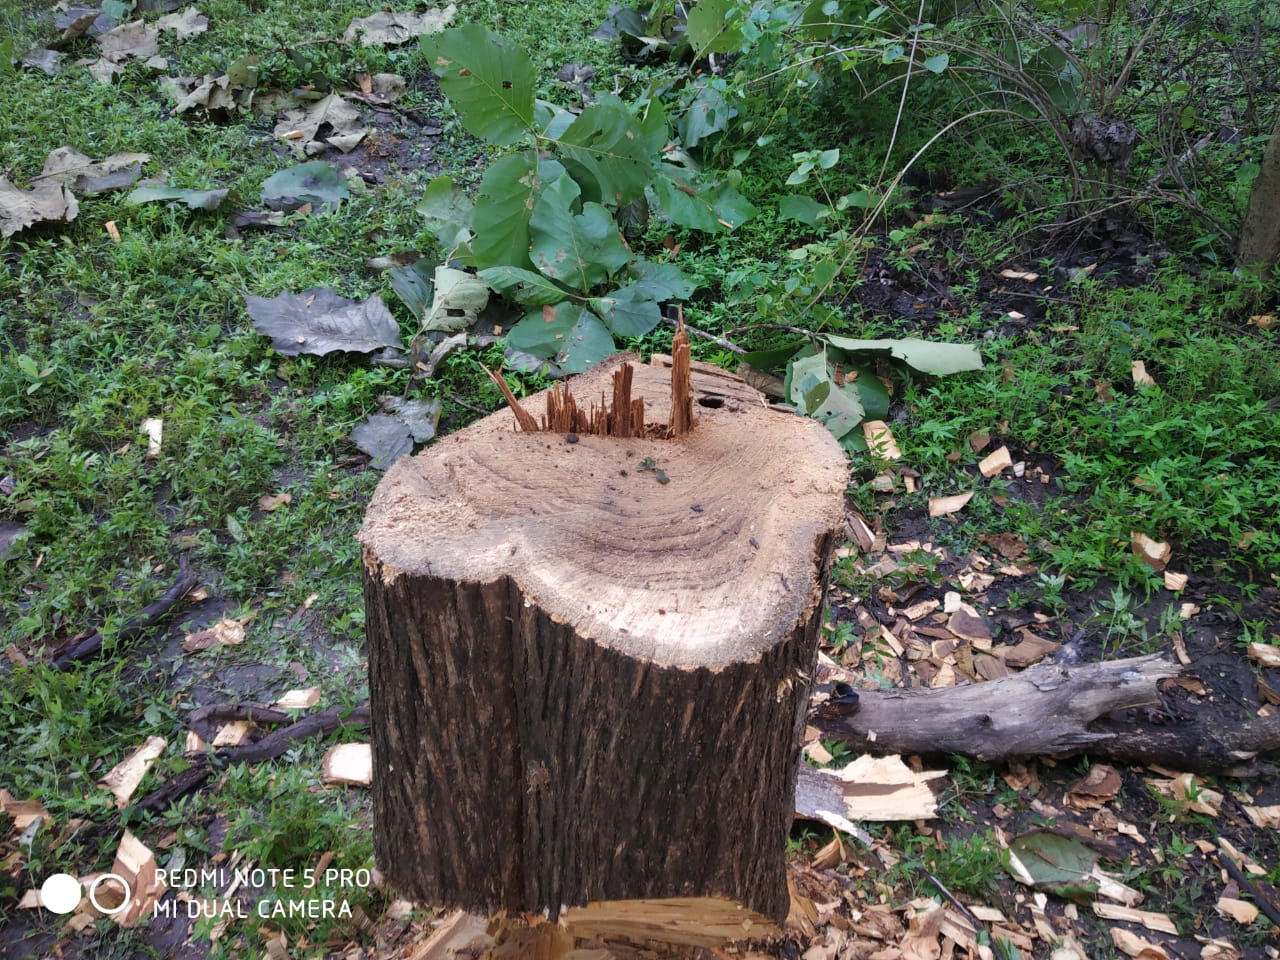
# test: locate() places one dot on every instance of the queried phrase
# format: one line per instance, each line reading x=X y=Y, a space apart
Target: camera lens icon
x=116 y=889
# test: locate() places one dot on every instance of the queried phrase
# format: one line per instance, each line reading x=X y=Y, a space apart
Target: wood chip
x=123 y=779
x=137 y=865
x=1175 y=581
x=1140 y=376
x=995 y=461
x=298 y=699
x=226 y=632
x=880 y=440
x=1020 y=275
x=1154 y=553
x=1241 y=911
x=966 y=623
x=706 y=922
x=1159 y=922
x=1264 y=654
x=153 y=427
x=232 y=734
x=1029 y=650
x=942 y=506
x=350 y=763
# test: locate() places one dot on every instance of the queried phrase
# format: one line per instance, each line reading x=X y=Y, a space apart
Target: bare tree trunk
x=1260 y=233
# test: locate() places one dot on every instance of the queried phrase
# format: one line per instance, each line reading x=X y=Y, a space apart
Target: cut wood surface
x=590 y=656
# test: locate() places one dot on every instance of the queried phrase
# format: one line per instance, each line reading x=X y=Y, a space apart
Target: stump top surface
x=711 y=568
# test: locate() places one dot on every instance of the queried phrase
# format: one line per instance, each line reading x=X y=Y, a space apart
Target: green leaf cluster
x=835 y=379
x=543 y=229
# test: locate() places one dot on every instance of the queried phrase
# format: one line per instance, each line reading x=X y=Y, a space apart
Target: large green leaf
x=524 y=286
x=628 y=311
x=660 y=281
x=490 y=83
x=568 y=334
x=608 y=153
x=938 y=359
x=711 y=29
x=580 y=249
x=1052 y=862
x=708 y=113
x=694 y=203
x=448 y=211
x=500 y=219
x=805 y=209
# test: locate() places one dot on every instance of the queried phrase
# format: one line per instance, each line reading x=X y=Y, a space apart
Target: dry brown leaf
x=272 y=503
x=123 y=779
x=1100 y=785
x=978 y=441
x=942 y=506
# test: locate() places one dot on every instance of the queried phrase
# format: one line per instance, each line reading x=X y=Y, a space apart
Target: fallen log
x=1054 y=709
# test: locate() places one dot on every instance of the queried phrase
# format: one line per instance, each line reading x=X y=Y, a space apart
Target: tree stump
x=590 y=656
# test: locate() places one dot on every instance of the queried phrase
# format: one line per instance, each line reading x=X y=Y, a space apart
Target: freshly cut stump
x=589 y=656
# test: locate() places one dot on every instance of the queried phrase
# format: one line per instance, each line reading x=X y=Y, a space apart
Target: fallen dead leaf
x=1099 y=786
x=270 y=503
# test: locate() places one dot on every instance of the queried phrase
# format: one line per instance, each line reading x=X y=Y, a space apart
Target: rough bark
x=1053 y=709
x=1260 y=232
x=590 y=656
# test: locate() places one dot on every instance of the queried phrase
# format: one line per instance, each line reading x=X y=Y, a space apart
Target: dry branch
x=1053 y=709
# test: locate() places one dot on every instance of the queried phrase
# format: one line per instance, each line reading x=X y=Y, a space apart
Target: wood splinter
x=624 y=416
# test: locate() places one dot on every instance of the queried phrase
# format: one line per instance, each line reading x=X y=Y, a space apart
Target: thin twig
x=719 y=341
